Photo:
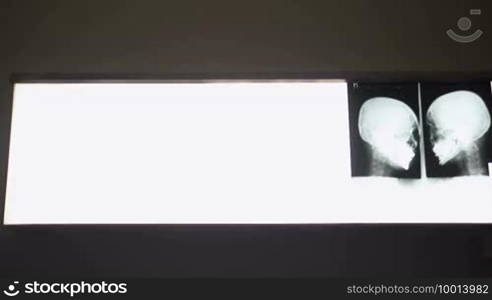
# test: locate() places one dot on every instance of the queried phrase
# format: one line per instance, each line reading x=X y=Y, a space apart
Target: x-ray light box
x=232 y=152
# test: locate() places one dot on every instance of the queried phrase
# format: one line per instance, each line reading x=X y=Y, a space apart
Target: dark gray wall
x=251 y=38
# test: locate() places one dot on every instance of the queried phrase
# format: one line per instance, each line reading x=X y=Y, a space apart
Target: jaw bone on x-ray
x=458 y=122
x=384 y=130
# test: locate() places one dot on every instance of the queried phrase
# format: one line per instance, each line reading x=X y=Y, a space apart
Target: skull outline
x=456 y=121
x=391 y=128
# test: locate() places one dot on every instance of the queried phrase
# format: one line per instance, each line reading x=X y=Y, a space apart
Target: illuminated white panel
x=230 y=152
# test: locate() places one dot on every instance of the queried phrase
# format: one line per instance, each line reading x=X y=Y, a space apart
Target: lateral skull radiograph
x=389 y=121
x=388 y=126
x=384 y=130
x=457 y=128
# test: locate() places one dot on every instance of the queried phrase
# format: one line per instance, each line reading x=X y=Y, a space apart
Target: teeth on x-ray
x=384 y=130
x=388 y=125
x=457 y=122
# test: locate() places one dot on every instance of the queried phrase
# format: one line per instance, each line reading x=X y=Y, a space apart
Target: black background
x=360 y=152
x=430 y=92
x=354 y=39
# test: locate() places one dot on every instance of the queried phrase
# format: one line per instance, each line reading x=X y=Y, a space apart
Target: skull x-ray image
x=384 y=130
x=457 y=126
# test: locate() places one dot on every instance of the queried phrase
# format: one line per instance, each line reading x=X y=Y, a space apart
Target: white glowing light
x=230 y=152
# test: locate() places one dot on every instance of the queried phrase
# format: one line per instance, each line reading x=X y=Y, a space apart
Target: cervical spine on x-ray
x=389 y=126
x=457 y=120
